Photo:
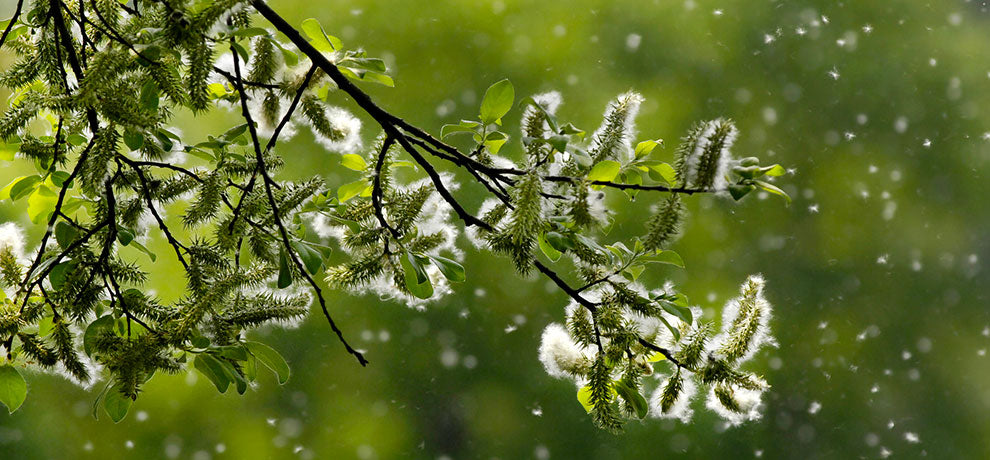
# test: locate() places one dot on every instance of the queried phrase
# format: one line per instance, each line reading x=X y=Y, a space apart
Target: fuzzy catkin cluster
x=699 y=359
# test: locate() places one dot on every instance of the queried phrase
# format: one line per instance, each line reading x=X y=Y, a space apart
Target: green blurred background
x=882 y=108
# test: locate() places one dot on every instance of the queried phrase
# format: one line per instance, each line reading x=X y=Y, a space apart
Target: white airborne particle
x=867 y=29
x=927 y=143
x=633 y=41
x=717 y=12
x=911 y=437
x=834 y=73
x=814 y=407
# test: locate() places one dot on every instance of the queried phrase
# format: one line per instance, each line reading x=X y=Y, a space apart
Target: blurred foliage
x=876 y=269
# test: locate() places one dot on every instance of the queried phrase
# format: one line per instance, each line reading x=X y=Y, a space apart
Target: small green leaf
x=22 y=186
x=271 y=359
x=58 y=273
x=104 y=323
x=116 y=404
x=65 y=234
x=417 y=281
x=45 y=326
x=552 y=253
x=13 y=388
x=462 y=127
x=353 y=161
x=497 y=102
x=213 y=369
x=646 y=147
x=133 y=139
x=632 y=397
x=584 y=397
x=738 y=191
x=150 y=96
x=125 y=236
x=604 y=171
x=559 y=241
x=318 y=37
x=452 y=270
x=633 y=271
x=664 y=170
x=774 y=171
x=41 y=204
x=665 y=257
x=681 y=312
x=773 y=189
x=351 y=190
x=142 y=248
x=284 y=273
x=558 y=142
x=310 y=257
x=656 y=357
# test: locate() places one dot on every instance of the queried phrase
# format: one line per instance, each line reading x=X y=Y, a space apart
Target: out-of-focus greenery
x=876 y=271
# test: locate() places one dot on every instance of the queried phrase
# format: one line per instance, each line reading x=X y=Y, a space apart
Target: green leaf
x=656 y=357
x=372 y=64
x=417 y=281
x=21 y=187
x=738 y=191
x=142 y=248
x=291 y=58
x=318 y=37
x=45 y=326
x=632 y=397
x=552 y=253
x=353 y=161
x=559 y=241
x=13 y=388
x=116 y=404
x=665 y=257
x=284 y=273
x=664 y=170
x=65 y=234
x=271 y=359
x=133 y=139
x=462 y=127
x=348 y=191
x=633 y=272
x=584 y=397
x=104 y=323
x=495 y=140
x=774 y=171
x=125 y=236
x=233 y=375
x=149 y=96
x=310 y=257
x=773 y=189
x=558 y=142
x=497 y=102
x=379 y=78
x=683 y=313
x=213 y=369
x=452 y=270
x=604 y=171
x=57 y=275
x=646 y=147
x=41 y=204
